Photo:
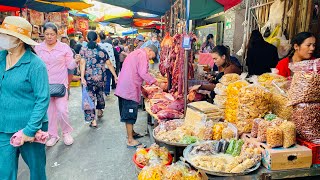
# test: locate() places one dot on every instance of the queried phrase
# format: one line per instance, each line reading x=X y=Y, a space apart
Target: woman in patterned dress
x=92 y=67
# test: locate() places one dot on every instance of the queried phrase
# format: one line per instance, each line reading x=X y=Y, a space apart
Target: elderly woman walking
x=24 y=100
x=58 y=58
x=92 y=67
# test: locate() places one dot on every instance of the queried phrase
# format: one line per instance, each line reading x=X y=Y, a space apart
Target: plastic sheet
x=87 y=103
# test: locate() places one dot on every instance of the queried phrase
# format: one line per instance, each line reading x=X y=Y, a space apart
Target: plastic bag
x=87 y=103
x=289 y=133
x=229 y=78
x=231 y=146
x=306 y=117
x=254 y=101
x=227 y=134
x=279 y=106
x=237 y=148
x=277 y=121
x=267 y=80
x=244 y=126
x=151 y=172
x=232 y=102
x=217 y=131
x=262 y=131
x=274 y=137
x=255 y=127
x=305 y=85
x=220 y=89
x=275 y=15
x=220 y=101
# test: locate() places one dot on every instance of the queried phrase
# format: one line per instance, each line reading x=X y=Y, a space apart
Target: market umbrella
x=44 y=5
x=72 y=4
x=159 y=7
x=8 y=8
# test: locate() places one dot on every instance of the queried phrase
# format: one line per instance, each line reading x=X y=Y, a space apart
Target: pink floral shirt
x=134 y=71
x=58 y=61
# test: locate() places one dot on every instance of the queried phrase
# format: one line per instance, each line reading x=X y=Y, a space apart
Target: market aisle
x=96 y=154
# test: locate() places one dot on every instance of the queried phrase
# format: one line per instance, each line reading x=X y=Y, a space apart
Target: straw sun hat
x=19 y=28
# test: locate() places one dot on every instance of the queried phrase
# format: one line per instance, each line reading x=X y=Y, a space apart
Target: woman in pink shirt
x=58 y=58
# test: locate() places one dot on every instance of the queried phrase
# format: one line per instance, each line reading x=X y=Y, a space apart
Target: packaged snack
x=274 y=137
x=289 y=133
x=227 y=133
x=217 y=131
x=229 y=78
x=237 y=148
x=231 y=146
x=244 y=126
x=277 y=121
x=220 y=89
x=306 y=117
x=254 y=102
x=305 y=85
x=267 y=80
x=232 y=102
x=224 y=146
x=220 y=101
x=262 y=131
x=279 y=106
x=270 y=117
x=151 y=172
x=255 y=127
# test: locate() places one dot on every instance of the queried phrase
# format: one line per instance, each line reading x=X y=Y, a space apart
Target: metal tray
x=189 y=148
x=168 y=143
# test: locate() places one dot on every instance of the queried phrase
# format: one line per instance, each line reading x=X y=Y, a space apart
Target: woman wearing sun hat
x=24 y=99
x=58 y=58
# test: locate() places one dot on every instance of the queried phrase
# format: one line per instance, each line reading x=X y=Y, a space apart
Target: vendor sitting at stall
x=221 y=57
x=303 y=47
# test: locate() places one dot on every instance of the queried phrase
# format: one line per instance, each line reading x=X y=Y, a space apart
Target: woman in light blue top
x=24 y=99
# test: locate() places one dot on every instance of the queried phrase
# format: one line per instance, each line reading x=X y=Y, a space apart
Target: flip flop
x=137 y=136
x=95 y=127
x=136 y=146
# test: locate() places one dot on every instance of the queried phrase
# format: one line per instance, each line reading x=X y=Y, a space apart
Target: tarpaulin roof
x=228 y=3
x=159 y=7
x=44 y=5
x=131 y=31
x=8 y=8
x=204 y=8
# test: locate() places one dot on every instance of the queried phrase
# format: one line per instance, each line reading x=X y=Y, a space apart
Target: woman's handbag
x=57 y=90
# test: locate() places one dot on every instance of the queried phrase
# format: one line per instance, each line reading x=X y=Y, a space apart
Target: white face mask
x=8 y=42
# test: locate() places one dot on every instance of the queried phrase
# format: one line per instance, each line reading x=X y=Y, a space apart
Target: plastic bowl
x=147 y=149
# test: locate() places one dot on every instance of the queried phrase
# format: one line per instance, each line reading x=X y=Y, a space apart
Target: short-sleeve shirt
x=95 y=64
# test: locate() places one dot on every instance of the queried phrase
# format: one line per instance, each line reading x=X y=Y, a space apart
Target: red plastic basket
x=142 y=166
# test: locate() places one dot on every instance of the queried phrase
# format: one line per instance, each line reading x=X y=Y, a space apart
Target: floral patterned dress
x=95 y=76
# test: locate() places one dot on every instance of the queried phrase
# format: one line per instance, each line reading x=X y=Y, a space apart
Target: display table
x=264 y=174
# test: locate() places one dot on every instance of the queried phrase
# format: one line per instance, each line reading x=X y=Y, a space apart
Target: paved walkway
x=97 y=154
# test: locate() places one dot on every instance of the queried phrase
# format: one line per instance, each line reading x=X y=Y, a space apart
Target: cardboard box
x=295 y=157
x=315 y=148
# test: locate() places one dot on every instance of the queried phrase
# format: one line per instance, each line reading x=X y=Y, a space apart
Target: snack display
x=254 y=102
x=227 y=133
x=305 y=85
x=306 y=117
x=262 y=131
x=232 y=102
x=214 y=160
x=220 y=101
x=274 y=137
x=229 y=78
x=220 y=89
x=244 y=126
x=255 y=126
x=279 y=106
x=267 y=79
x=289 y=133
x=152 y=155
x=175 y=171
x=217 y=130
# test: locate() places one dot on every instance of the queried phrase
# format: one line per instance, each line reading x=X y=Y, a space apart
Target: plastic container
x=142 y=166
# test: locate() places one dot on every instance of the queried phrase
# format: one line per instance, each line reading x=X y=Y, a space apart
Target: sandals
x=137 y=136
x=92 y=126
x=139 y=145
x=100 y=114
